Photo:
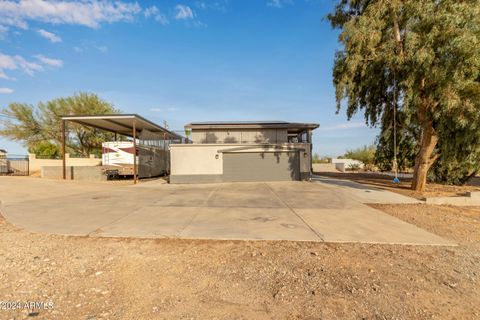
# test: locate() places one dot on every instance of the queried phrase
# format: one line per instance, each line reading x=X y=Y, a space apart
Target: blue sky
x=181 y=61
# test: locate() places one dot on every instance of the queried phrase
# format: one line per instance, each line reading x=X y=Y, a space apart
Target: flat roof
x=251 y=125
x=121 y=124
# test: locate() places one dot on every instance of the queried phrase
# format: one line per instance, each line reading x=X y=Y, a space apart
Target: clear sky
x=181 y=61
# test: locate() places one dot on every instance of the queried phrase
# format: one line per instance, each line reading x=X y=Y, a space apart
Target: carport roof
x=252 y=125
x=121 y=124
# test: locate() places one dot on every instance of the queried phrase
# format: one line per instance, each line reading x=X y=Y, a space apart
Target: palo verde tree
x=39 y=127
x=421 y=58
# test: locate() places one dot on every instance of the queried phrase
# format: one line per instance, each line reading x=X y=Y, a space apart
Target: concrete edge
x=278 y=240
x=411 y=199
x=472 y=199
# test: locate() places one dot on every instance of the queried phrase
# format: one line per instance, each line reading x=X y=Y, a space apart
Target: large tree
x=459 y=150
x=39 y=127
x=406 y=143
x=420 y=57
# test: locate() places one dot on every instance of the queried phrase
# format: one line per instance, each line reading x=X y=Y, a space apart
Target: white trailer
x=118 y=156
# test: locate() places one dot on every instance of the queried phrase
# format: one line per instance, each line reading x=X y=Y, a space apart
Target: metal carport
x=124 y=124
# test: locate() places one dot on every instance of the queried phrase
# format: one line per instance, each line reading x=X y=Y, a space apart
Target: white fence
x=37 y=164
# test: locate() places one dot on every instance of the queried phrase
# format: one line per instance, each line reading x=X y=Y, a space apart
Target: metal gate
x=14 y=165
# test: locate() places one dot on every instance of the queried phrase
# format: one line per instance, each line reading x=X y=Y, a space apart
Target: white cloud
x=150 y=11
x=28 y=67
x=90 y=45
x=170 y=109
x=90 y=13
x=19 y=63
x=102 y=49
x=3 y=32
x=49 y=61
x=162 y=19
x=215 y=5
x=49 y=35
x=186 y=14
x=344 y=126
x=278 y=3
x=155 y=13
x=183 y=12
x=7 y=62
x=6 y=90
x=3 y=75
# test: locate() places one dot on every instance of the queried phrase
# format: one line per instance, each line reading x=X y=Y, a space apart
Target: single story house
x=243 y=151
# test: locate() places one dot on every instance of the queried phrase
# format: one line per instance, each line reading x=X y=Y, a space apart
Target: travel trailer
x=118 y=158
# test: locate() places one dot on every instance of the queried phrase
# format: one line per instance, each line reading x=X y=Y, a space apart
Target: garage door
x=261 y=166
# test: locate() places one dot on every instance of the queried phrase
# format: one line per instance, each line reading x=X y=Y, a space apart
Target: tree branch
x=434 y=158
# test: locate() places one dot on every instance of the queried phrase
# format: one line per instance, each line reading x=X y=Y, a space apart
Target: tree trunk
x=424 y=159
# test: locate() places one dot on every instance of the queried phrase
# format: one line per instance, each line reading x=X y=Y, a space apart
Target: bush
x=354 y=167
x=365 y=154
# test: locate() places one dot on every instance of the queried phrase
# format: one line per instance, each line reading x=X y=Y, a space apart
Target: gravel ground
x=385 y=182
x=104 y=278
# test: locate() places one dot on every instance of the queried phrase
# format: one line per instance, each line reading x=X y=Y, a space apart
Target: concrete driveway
x=323 y=210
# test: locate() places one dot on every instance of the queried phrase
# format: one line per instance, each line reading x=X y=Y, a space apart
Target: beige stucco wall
x=198 y=159
x=195 y=159
x=35 y=164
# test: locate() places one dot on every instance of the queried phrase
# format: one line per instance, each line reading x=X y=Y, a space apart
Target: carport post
x=134 y=134
x=64 y=165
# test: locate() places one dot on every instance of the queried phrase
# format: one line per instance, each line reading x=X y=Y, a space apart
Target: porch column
x=64 y=162
x=134 y=134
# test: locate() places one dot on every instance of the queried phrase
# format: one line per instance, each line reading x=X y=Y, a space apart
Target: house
x=243 y=151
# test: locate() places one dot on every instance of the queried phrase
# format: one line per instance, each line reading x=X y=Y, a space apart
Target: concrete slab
x=242 y=195
x=471 y=199
x=366 y=225
x=316 y=196
x=301 y=211
x=364 y=193
x=64 y=215
x=151 y=222
x=247 y=223
x=180 y=198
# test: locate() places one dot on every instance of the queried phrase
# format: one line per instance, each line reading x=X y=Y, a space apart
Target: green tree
x=46 y=149
x=326 y=159
x=459 y=151
x=407 y=147
x=365 y=154
x=39 y=127
x=420 y=57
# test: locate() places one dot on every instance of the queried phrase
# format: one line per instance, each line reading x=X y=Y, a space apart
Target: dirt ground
x=104 y=278
x=385 y=182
